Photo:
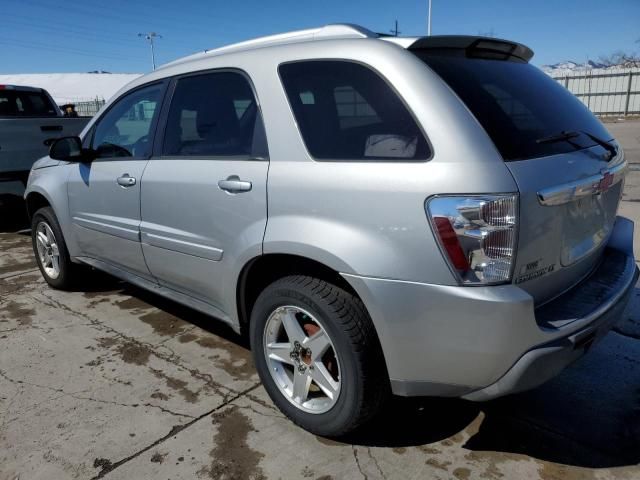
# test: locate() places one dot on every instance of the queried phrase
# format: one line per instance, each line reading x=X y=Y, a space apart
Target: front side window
x=211 y=114
x=346 y=111
x=125 y=130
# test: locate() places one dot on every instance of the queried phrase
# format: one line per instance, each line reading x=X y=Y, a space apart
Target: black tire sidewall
x=46 y=215
x=335 y=421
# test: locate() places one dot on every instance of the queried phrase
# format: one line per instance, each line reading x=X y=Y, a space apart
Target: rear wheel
x=317 y=355
x=51 y=250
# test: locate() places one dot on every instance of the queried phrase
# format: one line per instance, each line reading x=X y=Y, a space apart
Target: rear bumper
x=484 y=342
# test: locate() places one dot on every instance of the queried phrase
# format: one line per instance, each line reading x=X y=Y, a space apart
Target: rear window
x=18 y=103
x=517 y=104
x=346 y=111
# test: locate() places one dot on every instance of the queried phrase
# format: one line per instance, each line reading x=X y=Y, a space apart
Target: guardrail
x=616 y=92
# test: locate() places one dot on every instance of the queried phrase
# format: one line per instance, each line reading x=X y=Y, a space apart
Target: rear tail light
x=477 y=234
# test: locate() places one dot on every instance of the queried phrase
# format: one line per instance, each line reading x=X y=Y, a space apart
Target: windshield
x=21 y=103
x=517 y=104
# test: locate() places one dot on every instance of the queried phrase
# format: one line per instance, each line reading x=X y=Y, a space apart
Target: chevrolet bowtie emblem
x=605 y=183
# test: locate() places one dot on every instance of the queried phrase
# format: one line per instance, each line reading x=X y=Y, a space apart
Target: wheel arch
x=36 y=200
x=265 y=269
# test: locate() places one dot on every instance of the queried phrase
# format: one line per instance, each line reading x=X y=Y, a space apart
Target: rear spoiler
x=474 y=47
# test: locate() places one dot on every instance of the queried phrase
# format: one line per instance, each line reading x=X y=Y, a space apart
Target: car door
x=204 y=201
x=104 y=195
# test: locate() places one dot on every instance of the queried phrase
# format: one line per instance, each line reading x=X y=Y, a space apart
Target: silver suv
x=417 y=216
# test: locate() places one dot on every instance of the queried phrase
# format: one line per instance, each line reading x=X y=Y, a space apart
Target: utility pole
x=429 y=21
x=151 y=36
x=395 y=31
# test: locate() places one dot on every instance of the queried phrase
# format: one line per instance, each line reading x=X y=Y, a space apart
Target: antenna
x=429 y=21
x=150 y=36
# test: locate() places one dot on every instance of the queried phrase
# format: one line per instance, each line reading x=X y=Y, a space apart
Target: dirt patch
x=164 y=323
x=158 y=457
x=104 y=464
x=553 y=471
x=178 y=385
x=462 y=473
x=106 y=342
x=160 y=396
x=187 y=337
x=328 y=442
x=17 y=267
x=133 y=304
x=18 y=282
x=232 y=457
x=134 y=353
x=22 y=314
x=442 y=465
x=236 y=361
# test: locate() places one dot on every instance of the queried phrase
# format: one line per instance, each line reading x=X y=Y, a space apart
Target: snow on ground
x=73 y=87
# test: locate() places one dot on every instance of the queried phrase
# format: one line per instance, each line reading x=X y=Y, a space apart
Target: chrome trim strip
x=572 y=191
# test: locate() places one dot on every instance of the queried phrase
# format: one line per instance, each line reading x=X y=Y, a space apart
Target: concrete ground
x=113 y=382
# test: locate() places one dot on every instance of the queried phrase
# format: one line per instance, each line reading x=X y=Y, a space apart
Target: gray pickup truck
x=28 y=117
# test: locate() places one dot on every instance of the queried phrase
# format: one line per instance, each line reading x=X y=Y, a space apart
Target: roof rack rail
x=327 y=32
x=336 y=30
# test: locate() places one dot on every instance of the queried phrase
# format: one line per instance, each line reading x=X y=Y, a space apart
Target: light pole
x=429 y=21
x=150 y=36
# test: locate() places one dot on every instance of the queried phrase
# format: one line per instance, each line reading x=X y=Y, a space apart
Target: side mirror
x=69 y=149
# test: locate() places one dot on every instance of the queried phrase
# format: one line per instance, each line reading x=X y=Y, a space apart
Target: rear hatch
x=568 y=169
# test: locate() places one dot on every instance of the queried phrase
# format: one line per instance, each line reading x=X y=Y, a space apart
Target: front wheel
x=318 y=355
x=50 y=249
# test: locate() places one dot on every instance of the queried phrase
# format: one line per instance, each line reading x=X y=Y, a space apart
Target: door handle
x=233 y=184
x=126 y=180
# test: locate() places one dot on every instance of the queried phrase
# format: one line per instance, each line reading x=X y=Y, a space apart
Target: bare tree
x=621 y=59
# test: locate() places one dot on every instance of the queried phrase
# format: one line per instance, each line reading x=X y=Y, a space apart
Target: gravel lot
x=114 y=382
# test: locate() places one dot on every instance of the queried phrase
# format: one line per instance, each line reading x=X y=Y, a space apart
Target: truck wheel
x=318 y=355
x=50 y=249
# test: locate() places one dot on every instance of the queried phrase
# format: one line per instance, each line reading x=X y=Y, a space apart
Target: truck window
x=19 y=103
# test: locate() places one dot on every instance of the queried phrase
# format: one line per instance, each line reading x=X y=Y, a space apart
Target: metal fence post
x=626 y=102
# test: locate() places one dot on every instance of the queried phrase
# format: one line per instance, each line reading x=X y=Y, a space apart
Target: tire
x=353 y=357
x=45 y=221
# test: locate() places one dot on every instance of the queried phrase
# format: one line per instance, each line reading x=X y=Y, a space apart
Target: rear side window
x=212 y=114
x=517 y=104
x=18 y=103
x=346 y=111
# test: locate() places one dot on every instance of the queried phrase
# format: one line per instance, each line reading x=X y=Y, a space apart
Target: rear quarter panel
x=368 y=218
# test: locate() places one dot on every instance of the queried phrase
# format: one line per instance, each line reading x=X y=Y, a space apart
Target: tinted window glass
x=213 y=114
x=125 y=130
x=517 y=104
x=345 y=111
x=17 y=103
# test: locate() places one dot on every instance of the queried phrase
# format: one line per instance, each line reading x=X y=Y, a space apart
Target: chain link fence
x=611 y=92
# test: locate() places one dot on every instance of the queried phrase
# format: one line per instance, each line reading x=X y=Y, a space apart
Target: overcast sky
x=41 y=36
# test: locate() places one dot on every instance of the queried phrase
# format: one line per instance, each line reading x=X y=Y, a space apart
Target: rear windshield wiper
x=568 y=135
x=608 y=146
x=559 y=137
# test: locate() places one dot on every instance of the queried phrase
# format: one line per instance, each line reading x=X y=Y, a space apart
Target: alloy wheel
x=302 y=359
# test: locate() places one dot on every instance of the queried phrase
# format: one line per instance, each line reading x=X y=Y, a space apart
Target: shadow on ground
x=13 y=214
x=589 y=416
